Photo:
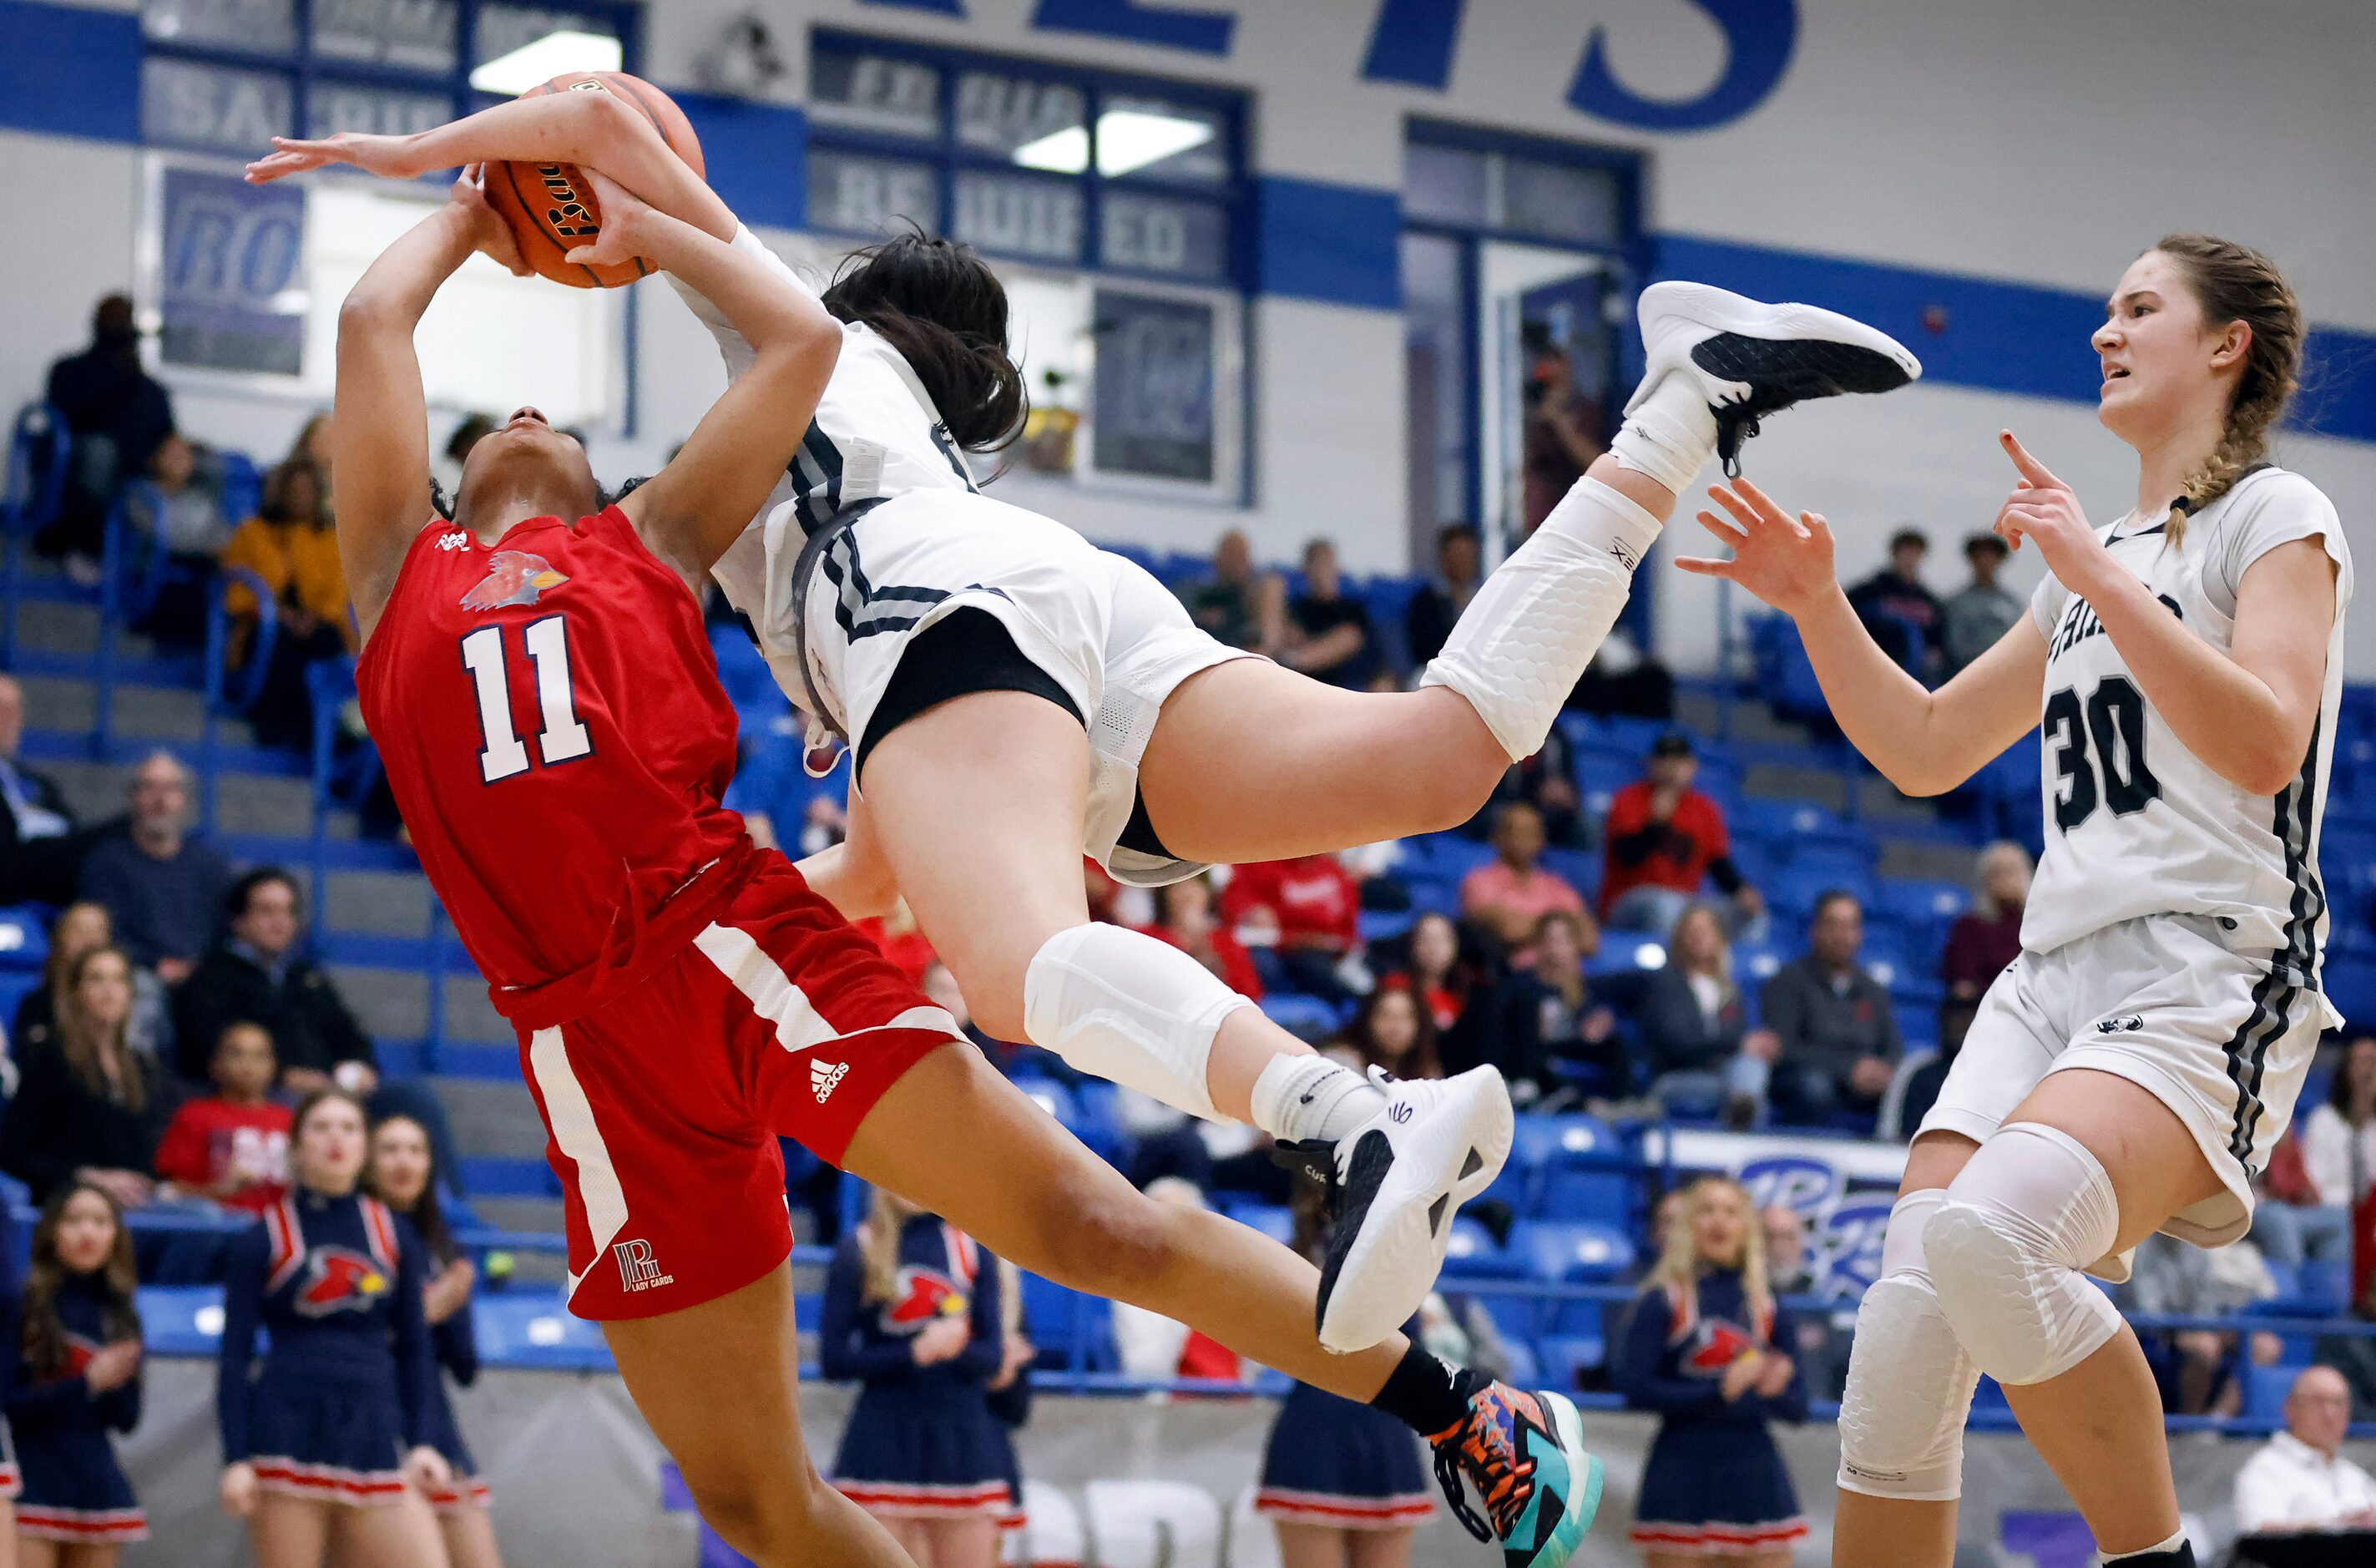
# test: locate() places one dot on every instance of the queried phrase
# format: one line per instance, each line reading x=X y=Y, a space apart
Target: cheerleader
x=1341 y=1482
x=78 y=1373
x=327 y=1449
x=12 y=1292
x=404 y=1174
x=1700 y=1350
x=912 y=1313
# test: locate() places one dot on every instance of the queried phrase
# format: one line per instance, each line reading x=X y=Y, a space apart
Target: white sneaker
x=1755 y=359
x=1401 y=1176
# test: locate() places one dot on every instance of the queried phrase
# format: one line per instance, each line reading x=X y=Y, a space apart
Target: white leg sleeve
x=1909 y=1383
x=1129 y=1009
x=1521 y=646
x=2005 y=1250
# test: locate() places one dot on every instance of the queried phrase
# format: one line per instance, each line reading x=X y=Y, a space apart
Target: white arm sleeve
x=2278 y=508
x=736 y=349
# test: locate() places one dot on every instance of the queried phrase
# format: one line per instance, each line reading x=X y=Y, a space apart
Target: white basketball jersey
x=876 y=435
x=2136 y=823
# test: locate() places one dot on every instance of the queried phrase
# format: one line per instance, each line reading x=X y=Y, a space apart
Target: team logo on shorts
x=825 y=1077
x=514 y=576
x=638 y=1269
x=2128 y=1024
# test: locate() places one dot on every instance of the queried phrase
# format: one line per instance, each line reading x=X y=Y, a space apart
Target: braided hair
x=2233 y=283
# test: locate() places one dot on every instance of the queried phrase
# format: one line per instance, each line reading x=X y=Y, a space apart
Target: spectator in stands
x=336 y=1423
x=1510 y=895
x=75 y=1376
x=2354 y=1355
x=2339 y=1137
x=1547 y=782
x=1570 y=1025
x=294 y=547
x=1707 y=1347
x=78 y=929
x=1300 y=919
x=1232 y=603
x=1984 y=939
x=2291 y=1221
x=1980 y=611
x=1328 y=633
x=2298 y=1481
x=1839 y=1040
x=1666 y=839
x=1564 y=430
x=1623 y=680
x=1185 y=918
x=1150 y=1345
x=1693 y=1021
x=259 y=972
x=231 y=1146
x=913 y=1315
x=41 y=854
x=1785 y=1250
x=1901 y=613
x=87 y=1107
x=1341 y=1482
x=404 y=1177
x=2196 y=1367
x=188 y=526
x=160 y=887
x=312 y=446
x=118 y=413
x=1389 y=1029
x=1459 y=567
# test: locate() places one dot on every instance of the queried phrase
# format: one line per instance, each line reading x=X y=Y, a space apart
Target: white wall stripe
x=571 y=1117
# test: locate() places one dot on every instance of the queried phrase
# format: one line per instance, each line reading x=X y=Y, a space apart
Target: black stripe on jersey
x=2291 y=968
x=815 y=471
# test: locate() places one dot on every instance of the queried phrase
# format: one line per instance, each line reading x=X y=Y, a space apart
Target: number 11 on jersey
x=503 y=754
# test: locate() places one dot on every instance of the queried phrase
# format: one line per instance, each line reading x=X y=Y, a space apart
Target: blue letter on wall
x=1759 y=37
x=1412 y=43
x=1207 y=33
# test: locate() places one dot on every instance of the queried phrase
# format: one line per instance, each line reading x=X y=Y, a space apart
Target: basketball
x=550 y=207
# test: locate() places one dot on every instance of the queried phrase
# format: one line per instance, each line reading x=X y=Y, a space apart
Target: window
x=1113 y=209
x=248 y=280
x=1518 y=259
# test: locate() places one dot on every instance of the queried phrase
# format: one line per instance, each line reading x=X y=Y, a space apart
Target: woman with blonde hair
x=1702 y=1349
x=1695 y=1021
x=2133 y=1070
x=913 y=1313
x=1984 y=938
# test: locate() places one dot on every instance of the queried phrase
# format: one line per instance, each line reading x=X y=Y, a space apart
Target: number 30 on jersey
x=502 y=754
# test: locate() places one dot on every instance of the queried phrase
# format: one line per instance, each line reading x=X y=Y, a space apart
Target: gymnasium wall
x=1999 y=162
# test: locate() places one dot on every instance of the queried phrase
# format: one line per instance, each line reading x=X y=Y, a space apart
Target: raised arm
x=1925 y=743
x=592 y=130
x=379 y=423
x=693 y=510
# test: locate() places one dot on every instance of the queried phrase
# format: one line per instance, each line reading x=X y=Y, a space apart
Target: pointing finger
x=2035 y=472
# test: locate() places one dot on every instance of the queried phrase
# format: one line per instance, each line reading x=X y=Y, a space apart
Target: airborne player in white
x=2132 y=1071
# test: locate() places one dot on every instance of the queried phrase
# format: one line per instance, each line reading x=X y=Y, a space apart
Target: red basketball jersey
x=549 y=714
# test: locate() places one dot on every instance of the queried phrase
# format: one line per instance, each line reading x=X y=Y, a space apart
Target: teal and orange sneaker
x=1524 y=1453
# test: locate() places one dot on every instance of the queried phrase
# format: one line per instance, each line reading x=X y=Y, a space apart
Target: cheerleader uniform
x=350 y=1378
x=921 y=1443
x=12 y=1327
x=455 y=1344
x=1344 y=1466
x=1714 y=1482
x=73 y=1489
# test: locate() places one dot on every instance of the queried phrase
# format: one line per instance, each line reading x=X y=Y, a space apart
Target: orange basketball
x=550 y=207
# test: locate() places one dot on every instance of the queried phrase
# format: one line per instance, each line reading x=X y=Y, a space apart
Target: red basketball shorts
x=663 y=1106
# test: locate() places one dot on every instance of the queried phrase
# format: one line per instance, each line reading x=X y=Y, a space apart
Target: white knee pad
x=2030 y=1211
x=1130 y=1009
x=1909 y=1383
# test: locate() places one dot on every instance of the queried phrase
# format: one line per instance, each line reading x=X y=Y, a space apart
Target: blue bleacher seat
x=1564 y=1358
x=2325 y=1286
x=1556 y=1251
x=1274 y=1220
x=1472 y=1252
x=534 y=1328
x=1306 y=1018
x=1072 y=1330
x=181 y=1320
x=2265 y=1389
x=24 y=940
x=2288 y=1283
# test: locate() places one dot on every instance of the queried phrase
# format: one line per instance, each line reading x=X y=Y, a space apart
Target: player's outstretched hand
x=490 y=234
x=626 y=224
x=2044 y=509
x=1782 y=559
x=390 y=155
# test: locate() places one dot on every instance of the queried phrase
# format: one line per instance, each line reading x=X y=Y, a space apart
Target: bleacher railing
x=38 y=451
x=223 y=696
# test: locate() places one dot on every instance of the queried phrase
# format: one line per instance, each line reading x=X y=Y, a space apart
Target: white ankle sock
x=1302 y=1097
x=1521 y=646
x=2169 y=1546
x=1668 y=435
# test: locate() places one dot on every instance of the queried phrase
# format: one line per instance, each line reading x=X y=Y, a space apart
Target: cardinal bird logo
x=514 y=576
x=923 y=1296
x=339 y=1281
x=1715 y=1345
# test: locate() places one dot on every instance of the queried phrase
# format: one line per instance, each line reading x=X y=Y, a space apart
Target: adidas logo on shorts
x=824 y=1076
